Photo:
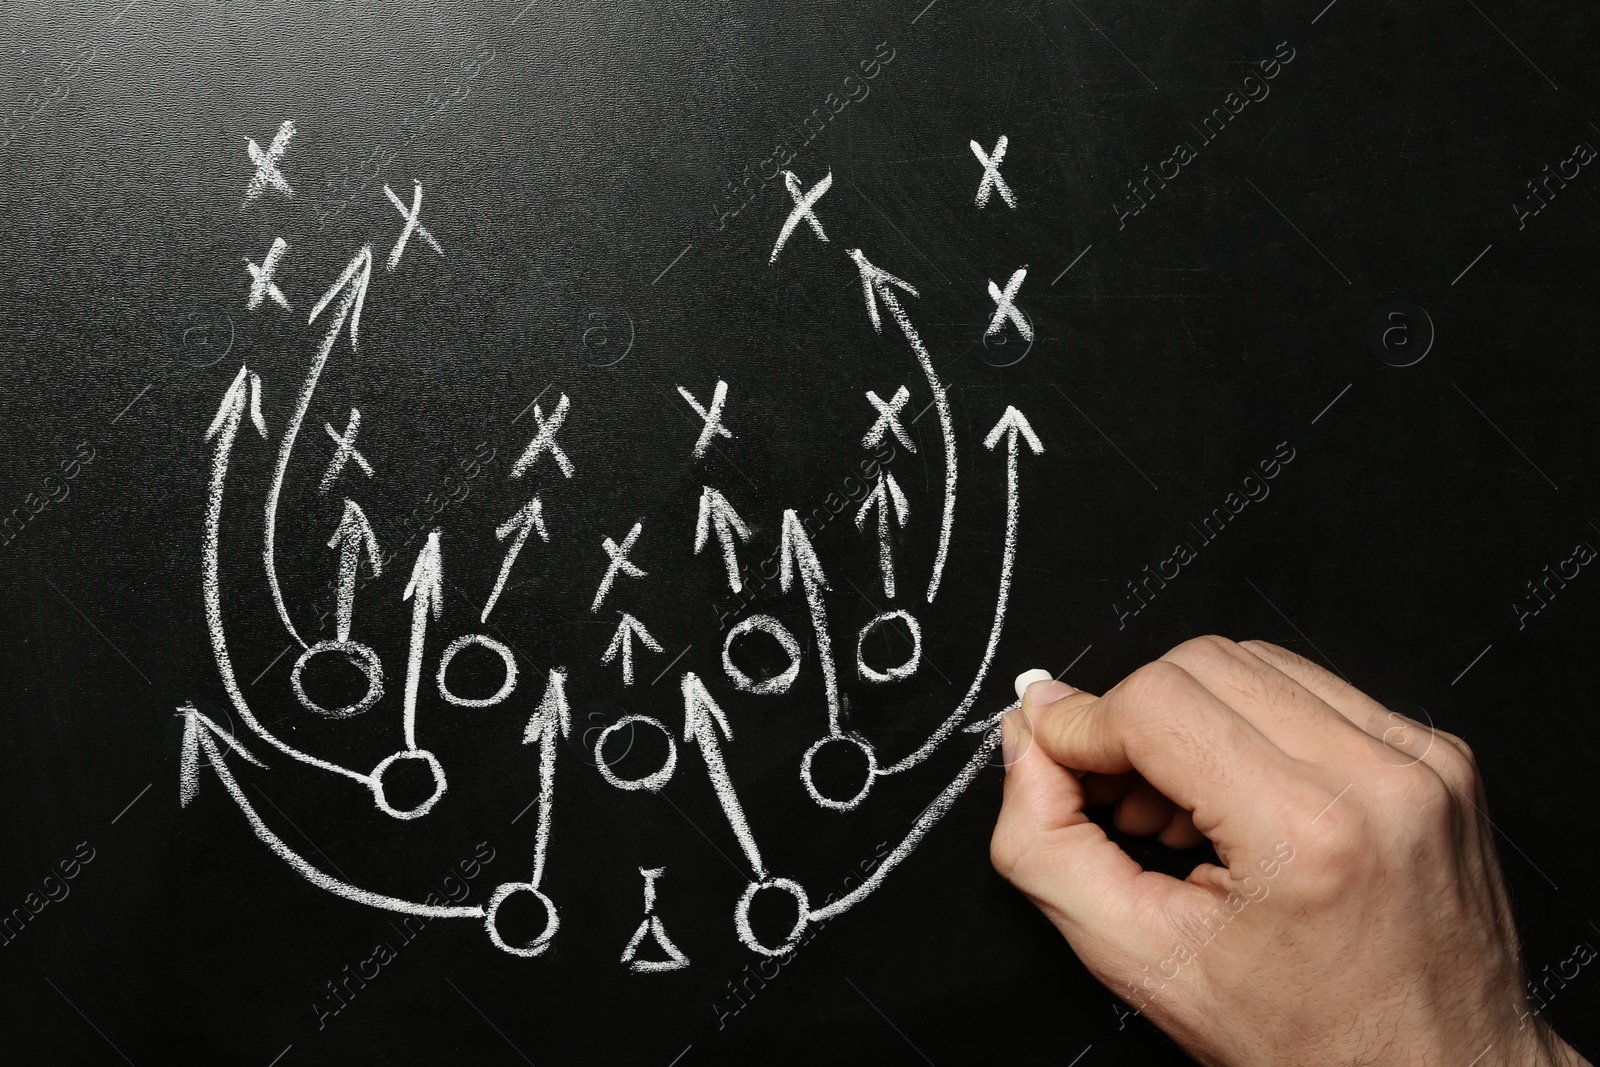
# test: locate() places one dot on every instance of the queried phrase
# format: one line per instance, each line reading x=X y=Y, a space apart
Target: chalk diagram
x=708 y=739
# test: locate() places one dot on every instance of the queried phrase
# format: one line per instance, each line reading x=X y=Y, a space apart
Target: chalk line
x=701 y=719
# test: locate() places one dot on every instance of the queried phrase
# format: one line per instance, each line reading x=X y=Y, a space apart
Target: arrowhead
x=628 y=629
x=875 y=280
x=353 y=283
x=884 y=495
x=246 y=386
x=427 y=576
x=1013 y=423
x=797 y=552
x=194 y=725
x=700 y=711
x=355 y=529
x=552 y=716
x=530 y=514
x=714 y=507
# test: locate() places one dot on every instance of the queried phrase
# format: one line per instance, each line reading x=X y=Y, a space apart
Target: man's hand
x=1360 y=916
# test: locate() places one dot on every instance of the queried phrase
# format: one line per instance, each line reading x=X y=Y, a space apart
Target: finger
x=1103 y=789
x=1180 y=833
x=1045 y=845
x=1293 y=717
x=1186 y=743
x=1143 y=812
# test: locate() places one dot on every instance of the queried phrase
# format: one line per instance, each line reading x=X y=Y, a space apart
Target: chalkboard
x=520 y=517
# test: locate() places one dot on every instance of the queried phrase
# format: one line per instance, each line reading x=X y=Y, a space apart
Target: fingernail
x=1014 y=732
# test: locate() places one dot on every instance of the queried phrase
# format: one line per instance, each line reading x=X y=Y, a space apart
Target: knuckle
x=1204 y=654
x=1154 y=685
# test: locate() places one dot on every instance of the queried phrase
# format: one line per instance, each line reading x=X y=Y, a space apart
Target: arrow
x=529 y=517
x=701 y=720
x=798 y=555
x=225 y=428
x=885 y=497
x=879 y=284
x=353 y=535
x=1012 y=426
x=628 y=629
x=201 y=734
x=716 y=511
x=426 y=593
x=551 y=719
x=352 y=284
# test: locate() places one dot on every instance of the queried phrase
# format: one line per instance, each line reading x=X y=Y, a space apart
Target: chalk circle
x=811 y=785
x=778 y=684
x=741 y=915
x=375 y=782
x=493 y=646
x=652 y=782
x=535 y=947
x=357 y=655
x=893 y=673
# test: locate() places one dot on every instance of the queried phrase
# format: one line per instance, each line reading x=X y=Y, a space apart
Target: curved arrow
x=199 y=733
x=353 y=535
x=701 y=720
x=1012 y=425
x=716 y=511
x=798 y=555
x=551 y=718
x=225 y=427
x=426 y=593
x=879 y=284
x=528 y=517
x=886 y=497
x=353 y=285
x=627 y=630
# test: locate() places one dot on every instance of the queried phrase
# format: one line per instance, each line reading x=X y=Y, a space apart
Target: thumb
x=1101 y=900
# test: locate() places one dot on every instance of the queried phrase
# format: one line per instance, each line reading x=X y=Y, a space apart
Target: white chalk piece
x=551 y=721
x=919 y=829
x=888 y=420
x=650 y=783
x=992 y=181
x=798 y=557
x=412 y=225
x=741 y=916
x=628 y=630
x=904 y=670
x=701 y=719
x=620 y=563
x=544 y=440
x=1005 y=310
x=425 y=590
x=344 y=450
x=715 y=511
x=262 y=287
x=712 y=418
x=200 y=734
x=1013 y=426
x=351 y=288
x=529 y=517
x=778 y=684
x=242 y=395
x=879 y=284
x=651 y=926
x=353 y=535
x=1027 y=678
x=805 y=203
x=509 y=662
x=885 y=497
x=267 y=169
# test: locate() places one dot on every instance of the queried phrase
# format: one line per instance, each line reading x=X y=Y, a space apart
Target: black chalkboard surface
x=519 y=516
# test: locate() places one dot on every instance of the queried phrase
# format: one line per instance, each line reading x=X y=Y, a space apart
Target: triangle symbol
x=651 y=925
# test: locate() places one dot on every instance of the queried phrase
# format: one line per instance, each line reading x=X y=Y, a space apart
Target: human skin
x=1386 y=938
